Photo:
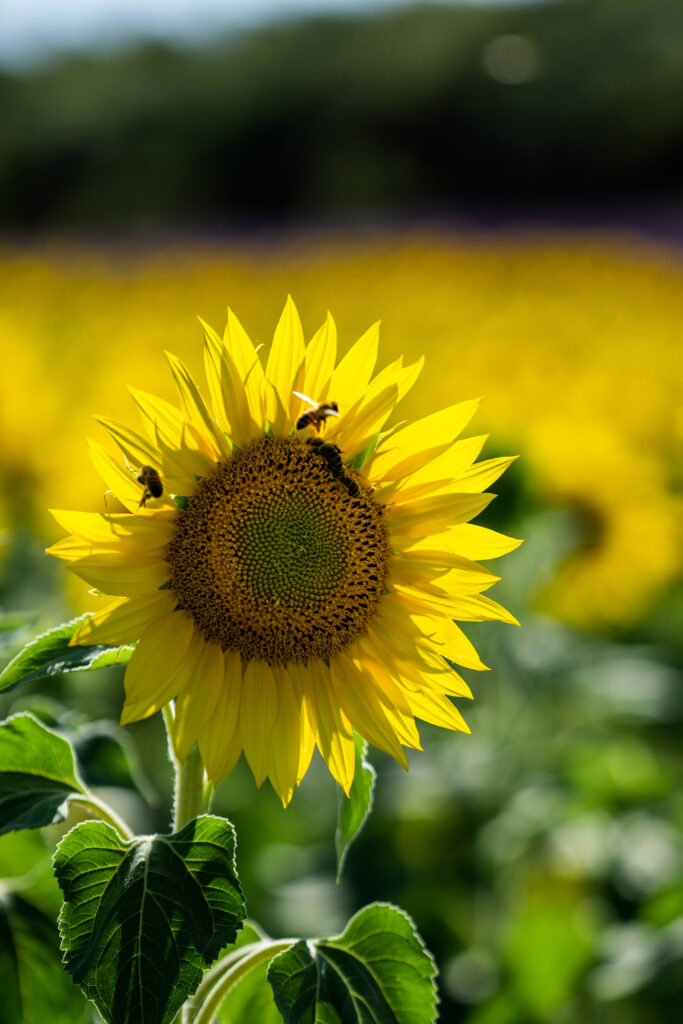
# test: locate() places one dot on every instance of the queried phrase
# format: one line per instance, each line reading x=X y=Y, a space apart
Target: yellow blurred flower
x=568 y=336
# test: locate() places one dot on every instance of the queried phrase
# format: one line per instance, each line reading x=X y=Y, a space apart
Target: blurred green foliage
x=405 y=111
x=541 y=856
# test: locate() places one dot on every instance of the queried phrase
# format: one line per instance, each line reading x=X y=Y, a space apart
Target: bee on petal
x=154 y=487
x=316 y=416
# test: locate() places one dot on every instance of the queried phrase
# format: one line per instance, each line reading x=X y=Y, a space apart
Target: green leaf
x=50 y=655
x=143 y=919
x=37 y=774
x=353 y=811
x=33 y=986
x=377 y=972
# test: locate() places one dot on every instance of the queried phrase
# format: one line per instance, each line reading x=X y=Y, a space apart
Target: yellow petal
x=122 y=483
x=108 y=574
x=71 y=548
x=285 y=369
x=464 y=607
x=246 y=359
x=392 y=697
x=125 y=620
x=393 y=645
x=472 y=541
x=154 y=665
x=439 y=561
x=257 y=717
x=130 y=550
x=319 y=360
x=307 y=742
x=196 y=701
x=440 y=465
x=415 y=670
x=357 y=431
x=395 y=373
x=135 y=448
x=482 y=474
x=352 y=376
x=432 y=707
x=227 y=388
x=385 y=471
x=161 y=420
x=212 y=358
x=438 y=427
x=196 y=411
x=363 y=708
x=285 y=739
x=451 y=642
x=426 y=515
x=131 y=531
x=331 y=728
x=223 y=742
x=181 y=445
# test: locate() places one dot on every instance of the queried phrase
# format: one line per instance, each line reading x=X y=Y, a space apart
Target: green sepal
x=143 y=919
x=353 y=811
x=50 y=655
x=377 y=972
x=359 y=460
x=37 y=774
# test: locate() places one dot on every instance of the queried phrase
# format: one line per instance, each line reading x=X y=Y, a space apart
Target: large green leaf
x=50 y=655
x=143 y=919
x=377 y=972
x=33 y=986
x=353 y=811
x=37 y=774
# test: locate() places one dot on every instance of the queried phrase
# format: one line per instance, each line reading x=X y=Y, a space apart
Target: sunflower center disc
x=273 y=558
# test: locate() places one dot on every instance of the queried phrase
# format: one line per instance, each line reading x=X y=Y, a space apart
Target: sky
x=33 y=31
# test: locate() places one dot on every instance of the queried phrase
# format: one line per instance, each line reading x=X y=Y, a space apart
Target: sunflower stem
x=102 y=811
x=217 y=982
x=190 y=791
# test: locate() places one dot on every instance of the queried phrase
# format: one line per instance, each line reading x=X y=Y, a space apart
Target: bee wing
x=329 y=411
x=310 y=401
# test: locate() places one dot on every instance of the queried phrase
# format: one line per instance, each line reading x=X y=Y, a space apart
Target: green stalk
x=226 y=974
x=103 y=811
x=189 y=791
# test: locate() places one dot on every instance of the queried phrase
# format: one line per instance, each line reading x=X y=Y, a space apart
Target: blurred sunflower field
x=574 y=343
x=500 y=184
x=541 y=855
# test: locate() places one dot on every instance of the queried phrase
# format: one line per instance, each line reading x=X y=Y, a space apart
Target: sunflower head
x=290 y=569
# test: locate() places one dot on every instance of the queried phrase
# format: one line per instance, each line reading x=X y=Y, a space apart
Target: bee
x=315 y=417
x=332 y=456
x=154 y=487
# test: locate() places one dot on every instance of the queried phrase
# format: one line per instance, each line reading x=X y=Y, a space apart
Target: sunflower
x=298 y=576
